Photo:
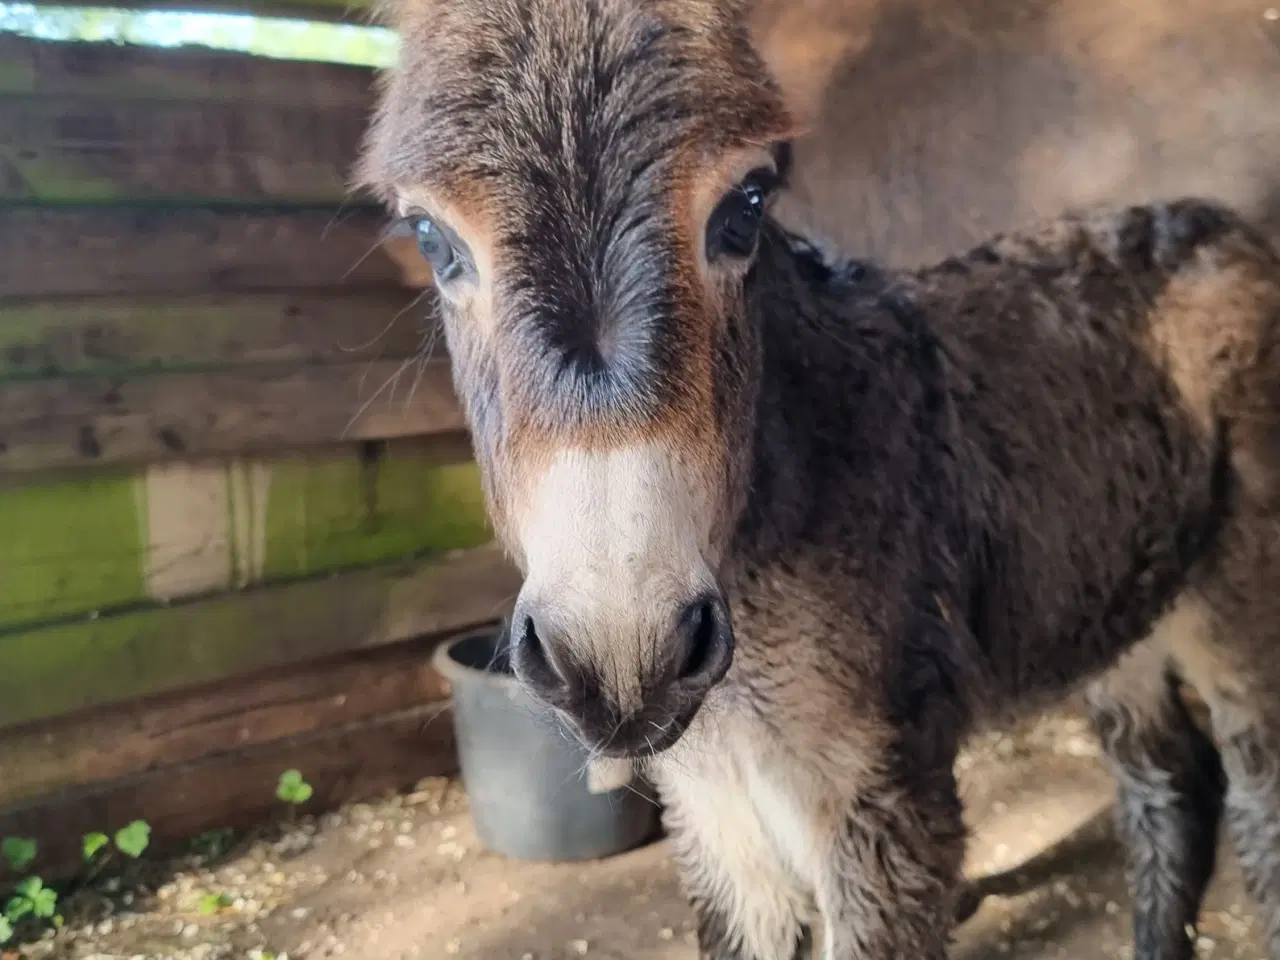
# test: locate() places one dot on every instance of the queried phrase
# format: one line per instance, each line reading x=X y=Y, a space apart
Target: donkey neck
x=851 y=454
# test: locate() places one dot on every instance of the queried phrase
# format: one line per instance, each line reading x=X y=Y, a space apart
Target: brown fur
x=928 y=498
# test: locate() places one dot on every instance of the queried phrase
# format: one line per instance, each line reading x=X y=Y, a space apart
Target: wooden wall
x=235 y=492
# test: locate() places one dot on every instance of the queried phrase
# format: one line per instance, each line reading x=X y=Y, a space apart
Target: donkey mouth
x=639 y=737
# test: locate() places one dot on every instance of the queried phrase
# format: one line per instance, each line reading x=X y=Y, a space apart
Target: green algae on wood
x=69 y=547
x=354 y=512
x=60 y=669
x=76 y=546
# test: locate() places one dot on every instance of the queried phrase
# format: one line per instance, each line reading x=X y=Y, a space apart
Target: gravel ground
x=406 y=878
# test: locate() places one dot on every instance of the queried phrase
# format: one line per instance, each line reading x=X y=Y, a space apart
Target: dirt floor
x=406 y=878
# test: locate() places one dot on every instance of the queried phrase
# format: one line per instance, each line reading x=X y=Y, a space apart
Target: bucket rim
x=453 y=670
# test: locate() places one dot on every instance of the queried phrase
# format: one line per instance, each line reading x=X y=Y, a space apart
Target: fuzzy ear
x=804 y=42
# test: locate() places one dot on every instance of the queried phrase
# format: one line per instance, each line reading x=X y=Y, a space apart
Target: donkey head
x=588 y=181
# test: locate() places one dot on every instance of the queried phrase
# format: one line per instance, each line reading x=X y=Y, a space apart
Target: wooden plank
x=63 y=149
x=355 y=762
x=323 y=11
x=109 y=71
x=132 y=738
x=49 y=424
x=117 y=335
x=75 y=666
x=112 y=540
x=151 y=250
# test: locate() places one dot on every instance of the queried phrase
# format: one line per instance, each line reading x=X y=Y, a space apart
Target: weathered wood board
x=98 y=543
x=83 y=122
x=120 y=740
x=142 y=250
x=63 y=149
x=116 y=336
x=112 y=72
x=260 y=409
x=345 y=764
x=343 y=11
x=63 y=668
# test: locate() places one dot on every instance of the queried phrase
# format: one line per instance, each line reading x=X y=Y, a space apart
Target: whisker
x=364 y=407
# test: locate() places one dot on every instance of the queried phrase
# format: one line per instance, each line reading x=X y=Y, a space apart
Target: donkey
x=792 y=525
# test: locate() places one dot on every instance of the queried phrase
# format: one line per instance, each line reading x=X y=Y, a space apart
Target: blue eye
x=436 y=249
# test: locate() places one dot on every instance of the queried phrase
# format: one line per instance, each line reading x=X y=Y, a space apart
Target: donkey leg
x=1245 y=701
x=893 y=881
x=748 y=904
x=1170 y=787
x=1234 y=662
x=1251 y=756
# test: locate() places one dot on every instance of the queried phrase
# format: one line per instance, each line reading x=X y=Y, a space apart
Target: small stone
x=404 y=840
x=298 y=913
x=580 y=947
x=666 y=933
x=452 y=947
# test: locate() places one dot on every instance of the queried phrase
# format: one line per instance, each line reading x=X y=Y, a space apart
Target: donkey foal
x=792 y=525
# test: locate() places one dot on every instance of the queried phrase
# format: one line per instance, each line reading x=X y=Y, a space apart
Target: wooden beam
x=76 y=149
x=118 y=336
x=153 y=250
x=114 y=658
x=119 y=72
x=58 y=423
x=123 y=740
x=346 y=764
x=338 y=11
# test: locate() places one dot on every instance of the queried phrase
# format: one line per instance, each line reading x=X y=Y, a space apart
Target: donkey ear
x=804 y=42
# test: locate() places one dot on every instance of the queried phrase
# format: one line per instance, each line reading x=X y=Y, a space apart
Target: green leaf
x=45 y=903
x=93 y=843
x=211 y=903
x=17 y=908
x=292 y=788
x=30 y=887
x=133 y=839
x=18 y=852
x=6 y=930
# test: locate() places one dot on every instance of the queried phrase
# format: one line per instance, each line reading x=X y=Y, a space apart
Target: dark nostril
x=529 y=646
x=699 y=626
x=530 y=640
x=534 y=658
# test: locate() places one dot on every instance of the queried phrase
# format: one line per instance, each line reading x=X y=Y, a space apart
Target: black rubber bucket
x=527 y=780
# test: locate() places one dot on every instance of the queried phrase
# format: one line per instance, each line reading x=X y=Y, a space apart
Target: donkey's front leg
x=748 y=903
x=893 y=877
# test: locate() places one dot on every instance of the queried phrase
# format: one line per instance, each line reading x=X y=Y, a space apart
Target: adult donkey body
x=793 y=525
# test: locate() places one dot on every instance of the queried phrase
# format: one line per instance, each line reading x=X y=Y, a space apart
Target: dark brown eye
x=734 y=225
